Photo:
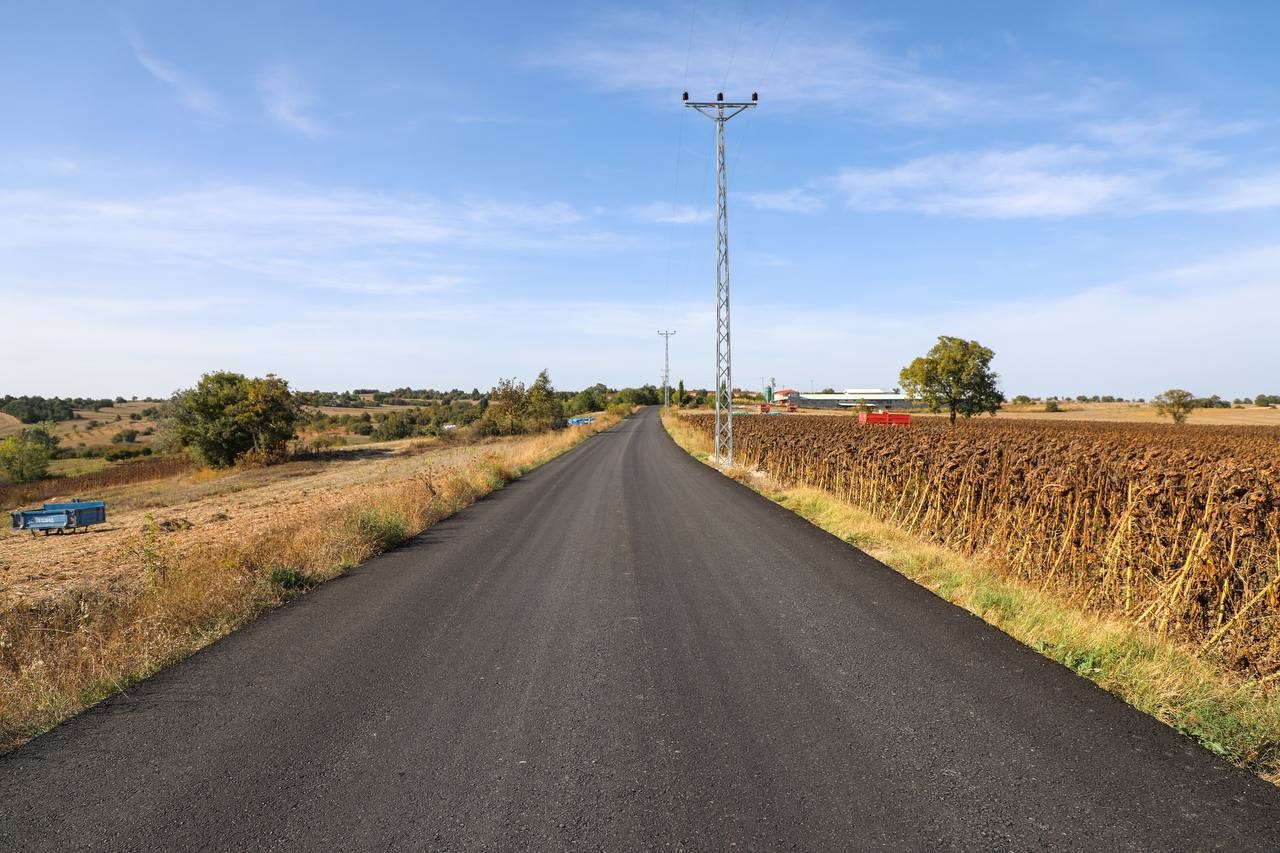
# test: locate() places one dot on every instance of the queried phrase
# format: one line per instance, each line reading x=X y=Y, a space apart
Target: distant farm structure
x=850 y=398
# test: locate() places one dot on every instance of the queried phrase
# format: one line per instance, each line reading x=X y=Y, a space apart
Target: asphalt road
x=623 y=650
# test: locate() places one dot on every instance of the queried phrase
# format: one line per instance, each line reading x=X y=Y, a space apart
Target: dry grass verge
x=1237 y=718
x=62 y=654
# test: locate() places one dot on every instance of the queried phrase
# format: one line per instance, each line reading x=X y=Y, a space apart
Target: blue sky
x=441 y=194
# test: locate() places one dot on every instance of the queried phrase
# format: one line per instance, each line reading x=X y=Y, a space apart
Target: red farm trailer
x=900 y=418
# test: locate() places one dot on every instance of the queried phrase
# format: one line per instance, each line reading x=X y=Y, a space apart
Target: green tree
x=228 y=415
x=542 y=406
x=25 y=455
x=395 y=425
x=586 y=400
x=506 y=406
x=645 y=395
x=678 y=397
x=1176 y=403
x=955 y=375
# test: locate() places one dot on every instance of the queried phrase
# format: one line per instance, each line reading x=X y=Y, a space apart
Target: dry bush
x=1174 y=529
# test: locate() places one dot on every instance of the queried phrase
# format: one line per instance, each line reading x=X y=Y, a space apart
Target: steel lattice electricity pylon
x=666 y=368
x=720 y=112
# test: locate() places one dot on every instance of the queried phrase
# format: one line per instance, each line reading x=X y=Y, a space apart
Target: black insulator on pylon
x=685 y=96
x=755 y=96
x=719 y=96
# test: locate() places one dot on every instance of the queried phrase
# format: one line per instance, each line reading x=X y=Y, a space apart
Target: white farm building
x=850 y=398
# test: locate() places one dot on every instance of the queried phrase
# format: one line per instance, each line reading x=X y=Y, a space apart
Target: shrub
x=515 y=409
x=395 y=425
x=227 y=415
x=25 y=456
x=1176 y=403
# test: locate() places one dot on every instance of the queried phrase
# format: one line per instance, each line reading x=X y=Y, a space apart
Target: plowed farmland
x=1175 y=528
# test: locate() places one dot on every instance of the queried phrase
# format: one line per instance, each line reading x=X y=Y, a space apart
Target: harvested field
x=185 y=559
x=1144 y=413
x=1173 y=528
x=195 y=508
x=95 y=428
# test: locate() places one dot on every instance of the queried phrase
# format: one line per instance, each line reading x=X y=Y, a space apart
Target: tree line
x=228 y=418
x=31 y=410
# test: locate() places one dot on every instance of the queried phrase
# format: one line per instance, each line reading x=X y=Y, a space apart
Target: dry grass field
x=109 y=421
x=187 y=558
x=203 y=507
x=1144 y=413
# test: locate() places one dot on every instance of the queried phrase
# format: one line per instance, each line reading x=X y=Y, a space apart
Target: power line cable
x=760 y=85
x=733 y=53
x=675 y=191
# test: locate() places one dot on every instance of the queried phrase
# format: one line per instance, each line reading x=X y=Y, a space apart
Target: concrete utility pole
x=720 y=112
x=666 y=368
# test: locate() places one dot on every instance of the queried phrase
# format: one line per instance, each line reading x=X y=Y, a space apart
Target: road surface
x=623 y=650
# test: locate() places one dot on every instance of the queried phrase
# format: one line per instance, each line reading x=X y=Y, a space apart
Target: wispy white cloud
x=1136 y=165
x=195 y=96
x=788 y=201
x=1179 y=137
x=488 y=212
x=1228 y=195
x=667 y=213
x=1038 y=181
x=288 y=102
x=329 y=239
x=802 y=64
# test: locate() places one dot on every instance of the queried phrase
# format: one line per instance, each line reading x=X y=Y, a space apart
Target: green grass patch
x=289 y=579
x=381 y=529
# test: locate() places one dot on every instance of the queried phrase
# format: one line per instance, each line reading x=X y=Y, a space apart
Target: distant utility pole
x=666 y=368
x=720 y=112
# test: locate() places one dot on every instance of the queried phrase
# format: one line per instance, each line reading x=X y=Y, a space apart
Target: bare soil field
x=1133 y=413
x=204 y=507
x=1145 y=413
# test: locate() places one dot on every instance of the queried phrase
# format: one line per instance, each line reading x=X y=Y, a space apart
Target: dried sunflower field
x=1174 y=528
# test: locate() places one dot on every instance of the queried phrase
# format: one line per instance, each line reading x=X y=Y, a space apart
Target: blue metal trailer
x=58 y=518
